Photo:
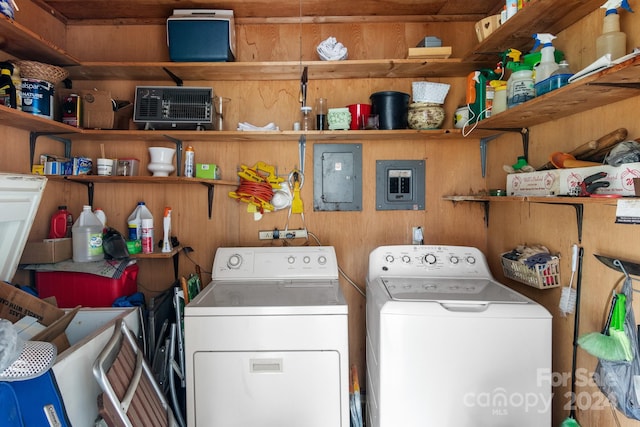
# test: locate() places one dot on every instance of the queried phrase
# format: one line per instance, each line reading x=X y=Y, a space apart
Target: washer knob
x=454 y=260
x=471 y=260
x=389 y=258
x=322 y=260
x=306 y=259
x=234 y=261
x=406 y=259
x=291 y=259
x=430 y=258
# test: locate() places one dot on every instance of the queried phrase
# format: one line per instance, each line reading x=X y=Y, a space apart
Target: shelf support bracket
x=90 y=189
x=524 y=132
x=210 y=189
x=33 y=138
x=178 y=143
x=579 y=207
x=483 y=151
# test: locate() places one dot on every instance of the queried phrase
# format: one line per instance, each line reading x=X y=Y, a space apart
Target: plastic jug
x=101 y=216
x=134 y=223
x=59 y=227
x=87 y=237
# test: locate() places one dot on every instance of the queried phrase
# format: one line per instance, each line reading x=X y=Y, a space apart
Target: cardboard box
x=560 y=182
x=207 y=171
x=97 y=109
x=16 y=303
x=48 y=251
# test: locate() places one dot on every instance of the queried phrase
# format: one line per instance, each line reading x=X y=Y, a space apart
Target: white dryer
x=266 y=342
x=449 y=346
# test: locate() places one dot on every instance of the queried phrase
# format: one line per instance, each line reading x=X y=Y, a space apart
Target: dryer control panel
x=429 y=261
x=269 y=263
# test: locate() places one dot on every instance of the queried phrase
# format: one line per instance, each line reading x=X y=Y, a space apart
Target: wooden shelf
x=139 y=180
x=285 y=70
x=560 y=200
x=539 y=16
x=158 y=255
x=23 y=43
x=611 y=85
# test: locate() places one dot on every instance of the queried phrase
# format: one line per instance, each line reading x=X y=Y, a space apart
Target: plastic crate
x=541 y=276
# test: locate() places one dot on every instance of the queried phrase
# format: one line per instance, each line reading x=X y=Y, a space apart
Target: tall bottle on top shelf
x=87 y=237
x=612 y=40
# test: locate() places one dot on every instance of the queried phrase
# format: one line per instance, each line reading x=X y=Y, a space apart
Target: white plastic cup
x=105 y=167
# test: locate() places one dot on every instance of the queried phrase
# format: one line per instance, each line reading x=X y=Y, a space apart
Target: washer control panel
x=428 y=260
x=268 y=263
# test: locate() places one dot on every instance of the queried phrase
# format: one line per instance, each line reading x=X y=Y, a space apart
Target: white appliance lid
x=467 y=290
x=264 y=297
x=20 y=197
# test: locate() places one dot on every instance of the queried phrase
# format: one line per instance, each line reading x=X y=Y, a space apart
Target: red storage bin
x=88 y=290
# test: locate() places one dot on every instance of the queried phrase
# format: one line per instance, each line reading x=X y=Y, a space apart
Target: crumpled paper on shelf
x=332 y=50
x=244 y=126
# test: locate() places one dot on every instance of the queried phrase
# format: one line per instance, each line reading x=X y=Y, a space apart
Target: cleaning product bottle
x=166 y=223
x=520 y=87
x=101 y=216
x=612 y=40
x=87 y=237
x=146 y=231
x=560 y=77
x=7 y=88
x=17 y=83
x=134 y=223
x=499 y=97
x=547 y=63
x=189 y=165
x=58 y=228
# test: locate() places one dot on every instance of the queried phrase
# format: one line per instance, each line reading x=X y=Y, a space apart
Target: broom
x=578 y=253
x=601 y=344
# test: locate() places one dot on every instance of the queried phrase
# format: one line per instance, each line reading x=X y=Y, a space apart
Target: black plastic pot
x=392 y=109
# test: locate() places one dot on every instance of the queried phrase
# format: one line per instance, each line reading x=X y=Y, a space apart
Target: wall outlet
x=282 y=234
x=417 y=236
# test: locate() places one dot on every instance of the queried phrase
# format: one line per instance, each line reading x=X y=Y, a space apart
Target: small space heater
x=171 y=107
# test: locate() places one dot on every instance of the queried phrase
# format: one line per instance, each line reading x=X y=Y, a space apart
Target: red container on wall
x=88 y=290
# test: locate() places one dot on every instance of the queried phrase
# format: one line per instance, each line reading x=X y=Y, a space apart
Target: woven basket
x=430 y=92
x=40 y=71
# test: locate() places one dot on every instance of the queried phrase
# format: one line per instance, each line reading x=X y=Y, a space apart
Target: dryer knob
x=471 y=260
x=306 y=260
x=430 y=258
x=291 y=259
x=389 y=258
x=322 y=260
x=234 y=261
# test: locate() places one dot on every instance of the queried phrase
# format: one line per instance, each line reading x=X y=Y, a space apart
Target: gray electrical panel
x=337 y=177
x=400 y=185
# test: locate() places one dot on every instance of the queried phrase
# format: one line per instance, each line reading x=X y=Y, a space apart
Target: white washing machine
x=449 y=346
x=266 y=342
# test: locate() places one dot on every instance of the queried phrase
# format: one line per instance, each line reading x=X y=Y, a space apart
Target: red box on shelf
x=88 y=290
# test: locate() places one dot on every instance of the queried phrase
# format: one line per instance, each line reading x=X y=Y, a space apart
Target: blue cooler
x=201 y=35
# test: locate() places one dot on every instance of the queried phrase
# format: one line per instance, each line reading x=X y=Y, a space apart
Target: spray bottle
x=166 y=223
x=547 y=64
x=612 y=40
x=477 y=93
x=520 y=87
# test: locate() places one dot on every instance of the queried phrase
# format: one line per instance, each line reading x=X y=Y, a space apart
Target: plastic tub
x=552 y=83
x=392 y=109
